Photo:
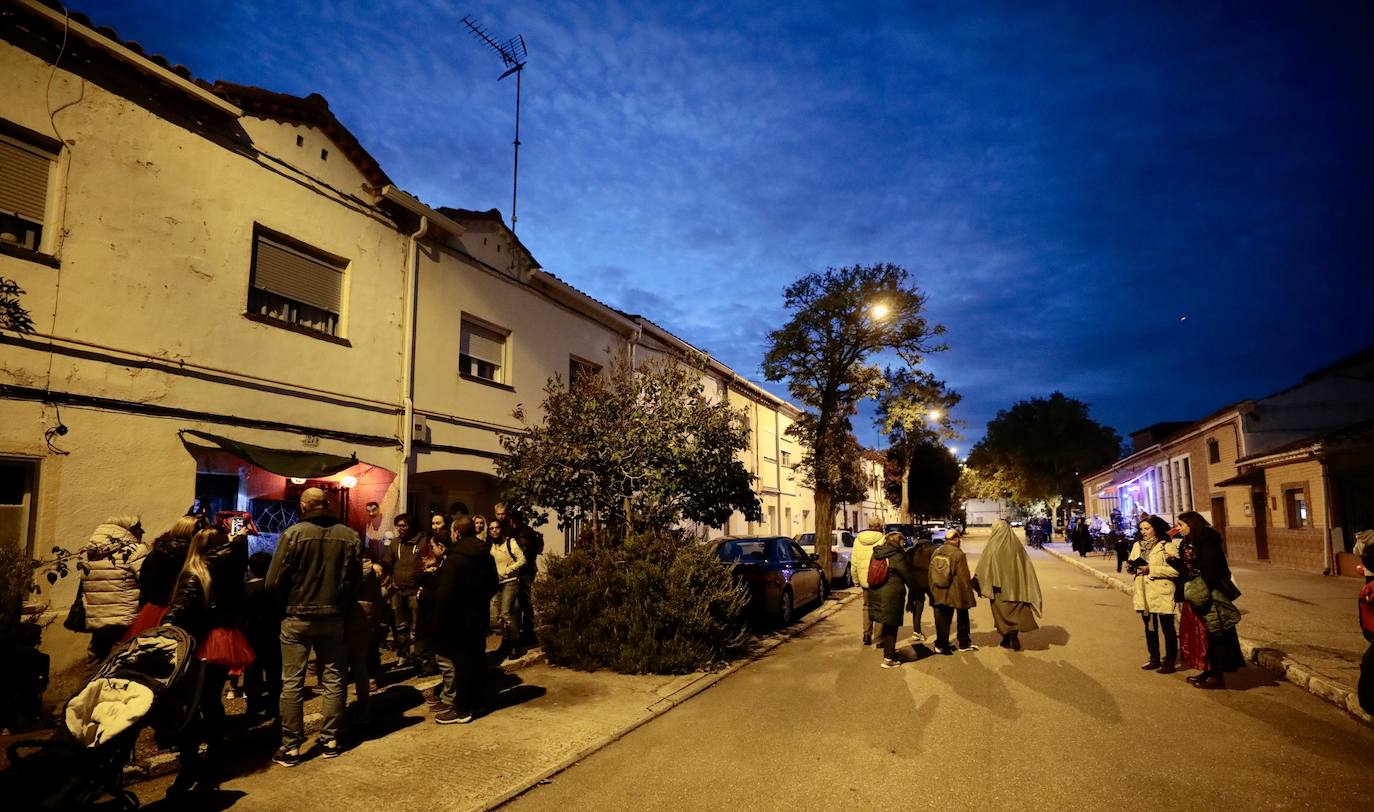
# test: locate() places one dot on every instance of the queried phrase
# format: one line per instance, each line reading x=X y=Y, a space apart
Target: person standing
x=316 y=571
x=951 y=590
x=402 y=562
x=532 y=545
x=158 y=577
x=864 y=544
x=888 y=603
x=109 y=584
x=1209 y=592
x=262 y=627
x=509 y=559
x=1155 y=585
x=917 y=592
x=463 y=590
x=1082 y=538
x=374 y=532
x=1007 y=579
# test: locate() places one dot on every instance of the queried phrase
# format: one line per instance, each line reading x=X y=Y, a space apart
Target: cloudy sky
x=1157 y=208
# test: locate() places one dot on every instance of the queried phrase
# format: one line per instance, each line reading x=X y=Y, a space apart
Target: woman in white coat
x=109 y=581
x=1154 y=591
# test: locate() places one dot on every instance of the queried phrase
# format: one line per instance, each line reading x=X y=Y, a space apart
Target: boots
x=1006 y=641
x=1170 y=650
x=1016 y=641
x=1151 y=665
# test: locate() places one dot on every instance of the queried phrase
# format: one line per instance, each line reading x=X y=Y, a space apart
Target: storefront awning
x=1250 y=479
x=283 y=462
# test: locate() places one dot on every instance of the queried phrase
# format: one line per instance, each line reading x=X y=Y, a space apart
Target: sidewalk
x=1301 y=626
x=545 y=720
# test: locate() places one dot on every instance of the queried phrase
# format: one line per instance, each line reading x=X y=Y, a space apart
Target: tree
x=639 y=448
x=1039 y=447
x=13 y=316
x=934 y=471
x=840 y=318
x=914 y=410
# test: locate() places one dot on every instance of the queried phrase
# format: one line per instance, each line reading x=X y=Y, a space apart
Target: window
x=1295 y=506
x=772 y=519
x=579 y=369
x=482 y=352
x=1213 y=451
x=1181 y=483
x=782 y=551
x=787 y=520
x=26 y=161
x=295 y=284
x=786 y=457
x=18 y=505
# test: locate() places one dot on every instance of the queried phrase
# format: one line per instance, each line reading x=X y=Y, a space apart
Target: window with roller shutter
x=295 y=284
x=25 y=167
x=482 y=352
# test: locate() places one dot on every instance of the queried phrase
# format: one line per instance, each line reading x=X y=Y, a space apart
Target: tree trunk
x=825 y=525
x=906 y=492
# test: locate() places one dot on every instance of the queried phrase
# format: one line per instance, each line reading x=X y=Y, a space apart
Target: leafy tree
x=1039 y=447
x=639 y=448
x=914 y=411
x=840 y=319
x=13 y=316
x=934 y=472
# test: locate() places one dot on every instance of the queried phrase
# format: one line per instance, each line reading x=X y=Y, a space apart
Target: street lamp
x=953 y=450
x=879 y=311
x=936 y=415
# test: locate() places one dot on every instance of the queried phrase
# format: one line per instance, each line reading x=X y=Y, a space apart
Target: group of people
x=921 y=573
x=325 y=589
x=1190 y=573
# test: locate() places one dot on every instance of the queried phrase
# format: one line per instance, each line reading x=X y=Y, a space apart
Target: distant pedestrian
x=919 y=590
x=951 y=589
x=316 y=571
x=1082 y=540
x=262 y=627
x=509 y=560
x=109 y=585
x=374 y=532
x=1007 y=579
x=1155 y=585
x=888 y=600
x=1210 y=616
x=864 y=544
x=466 y=582
x=1122 y=547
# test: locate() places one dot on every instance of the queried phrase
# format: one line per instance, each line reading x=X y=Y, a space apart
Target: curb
x=682 y=689
x=1271 y=659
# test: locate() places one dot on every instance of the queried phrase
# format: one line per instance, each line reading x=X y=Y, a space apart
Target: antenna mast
x=513 y=56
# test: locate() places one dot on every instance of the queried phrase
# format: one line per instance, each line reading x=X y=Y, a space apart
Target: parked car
x=779 y=574
x=841 y=549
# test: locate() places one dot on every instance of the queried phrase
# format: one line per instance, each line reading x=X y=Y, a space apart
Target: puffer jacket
x=1154 y=593
x=887 y=603
x=863 y=555
x=109 y=591
x=509 y=559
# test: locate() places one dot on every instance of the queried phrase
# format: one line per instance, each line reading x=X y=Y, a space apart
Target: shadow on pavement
x=1066 y=683
x=974 y=682
x=215 y=800
x=508 y=690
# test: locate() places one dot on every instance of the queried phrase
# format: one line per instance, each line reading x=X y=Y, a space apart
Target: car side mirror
x=815 y=556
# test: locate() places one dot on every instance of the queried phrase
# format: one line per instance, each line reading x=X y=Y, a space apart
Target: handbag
x=1197 y=593
x=76 y=617
x=1229 y=589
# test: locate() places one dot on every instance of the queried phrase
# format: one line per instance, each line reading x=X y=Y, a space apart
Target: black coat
x=191 y=611
x=462 y=595
x=1209 y=559
x=158 y=577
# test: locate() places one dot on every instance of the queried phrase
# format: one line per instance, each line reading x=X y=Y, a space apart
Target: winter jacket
x=1154 y=593
x=959 y=593
x=863 y=554
x=110 y=588
x=531 y=544
x=509 y=559
x=191 y=611
x=403 y=561
x=920 y=555
x=317 y=566
x=462 y=595
x=158 y=577
x=886 y=603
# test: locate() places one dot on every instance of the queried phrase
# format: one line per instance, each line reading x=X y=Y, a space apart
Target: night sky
x=1157 y=210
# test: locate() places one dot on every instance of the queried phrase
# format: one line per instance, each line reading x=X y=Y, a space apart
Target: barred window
x=482 y=352
x=296 y=284
x=26 y=162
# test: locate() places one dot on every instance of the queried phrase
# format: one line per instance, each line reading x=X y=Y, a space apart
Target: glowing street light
x=953 y=450
x=936 y=415
x=879 y=311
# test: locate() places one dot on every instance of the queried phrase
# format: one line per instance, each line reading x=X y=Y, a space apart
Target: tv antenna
x=513 y=56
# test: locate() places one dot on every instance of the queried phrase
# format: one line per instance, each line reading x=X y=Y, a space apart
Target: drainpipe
x=1328 y=553
x=408 y=361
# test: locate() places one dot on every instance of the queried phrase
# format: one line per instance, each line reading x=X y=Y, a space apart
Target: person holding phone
x=1154 y=591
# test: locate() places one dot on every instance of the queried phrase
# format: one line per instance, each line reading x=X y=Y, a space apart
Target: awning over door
x=1251 y=479
x=283 y=462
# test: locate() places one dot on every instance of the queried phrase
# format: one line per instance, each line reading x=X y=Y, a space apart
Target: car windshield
x=743 y=550
x=806 y=539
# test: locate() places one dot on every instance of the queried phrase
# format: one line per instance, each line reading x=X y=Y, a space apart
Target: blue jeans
x=299 y=634
x=507 y=611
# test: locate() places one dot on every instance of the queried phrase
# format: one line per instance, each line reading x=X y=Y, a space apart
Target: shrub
x=656 y=603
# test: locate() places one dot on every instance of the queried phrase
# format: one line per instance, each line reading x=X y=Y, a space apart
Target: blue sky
x=1067 y=183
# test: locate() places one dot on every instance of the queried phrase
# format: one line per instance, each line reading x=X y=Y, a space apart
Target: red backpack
x=877 y=572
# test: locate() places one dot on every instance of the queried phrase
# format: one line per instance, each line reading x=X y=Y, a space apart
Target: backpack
x=941 y=571
x=877 y=573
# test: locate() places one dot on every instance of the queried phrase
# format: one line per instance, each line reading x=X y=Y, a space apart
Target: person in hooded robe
x=1007 y=579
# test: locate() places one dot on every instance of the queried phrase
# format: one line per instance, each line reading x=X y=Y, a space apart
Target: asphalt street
x=1071 y=722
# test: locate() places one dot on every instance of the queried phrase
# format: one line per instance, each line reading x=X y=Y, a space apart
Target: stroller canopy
x=128 y=683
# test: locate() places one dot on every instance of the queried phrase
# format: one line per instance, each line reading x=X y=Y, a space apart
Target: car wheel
x=823 y=593
x=785 y=610
x=847 y=580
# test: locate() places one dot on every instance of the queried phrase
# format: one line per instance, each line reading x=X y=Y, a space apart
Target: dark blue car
x=779 y=574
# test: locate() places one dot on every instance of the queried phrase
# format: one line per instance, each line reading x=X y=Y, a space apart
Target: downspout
x=408 y=362
x=1328 y=553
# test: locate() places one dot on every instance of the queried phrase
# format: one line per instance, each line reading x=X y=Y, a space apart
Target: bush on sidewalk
x=655 y=603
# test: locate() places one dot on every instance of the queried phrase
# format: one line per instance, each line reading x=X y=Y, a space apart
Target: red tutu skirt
x=227 y=648
x=1192 y=638
x=149 y=617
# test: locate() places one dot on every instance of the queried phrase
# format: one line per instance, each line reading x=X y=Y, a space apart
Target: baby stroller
x=149 y=680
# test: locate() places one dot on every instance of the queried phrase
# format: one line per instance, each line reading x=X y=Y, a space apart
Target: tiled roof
x=1355 y=434
x=112 y=35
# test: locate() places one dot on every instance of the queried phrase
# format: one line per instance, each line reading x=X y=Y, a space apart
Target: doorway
x=1259 y=506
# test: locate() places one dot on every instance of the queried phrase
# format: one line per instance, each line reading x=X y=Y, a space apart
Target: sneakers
x=945 y=650
x=332 y=749
x=868 y=639
x=287 y=756
x=438 y=707
x=887 y=663
x=450 y=717
x=917 y=638
x=969 y=647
